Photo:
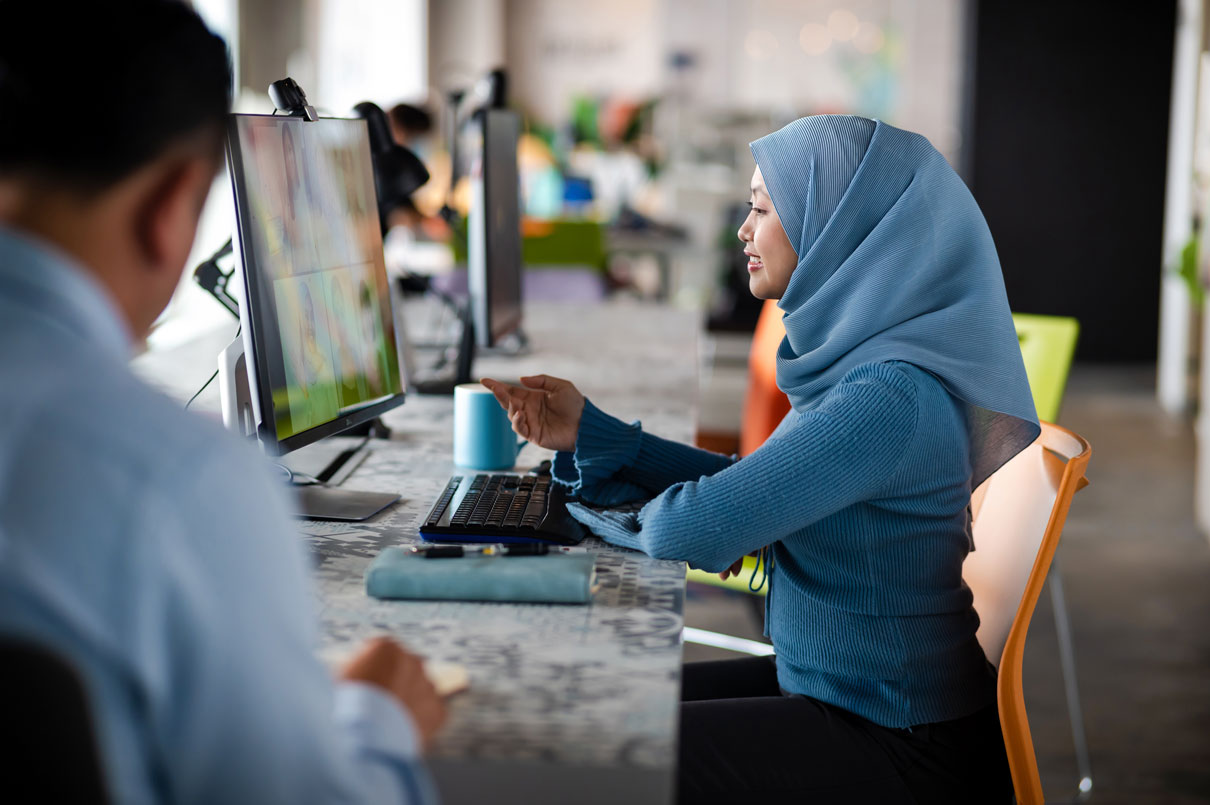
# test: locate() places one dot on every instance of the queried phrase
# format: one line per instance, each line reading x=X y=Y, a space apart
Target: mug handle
x=520 y=446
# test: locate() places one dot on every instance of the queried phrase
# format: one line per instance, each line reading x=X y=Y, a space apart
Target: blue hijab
x=895 y=262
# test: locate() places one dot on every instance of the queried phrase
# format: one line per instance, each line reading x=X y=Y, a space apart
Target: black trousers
x=742 y=740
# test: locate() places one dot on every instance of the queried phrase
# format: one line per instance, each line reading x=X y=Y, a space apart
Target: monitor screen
x=494 y=230
x=318 y=312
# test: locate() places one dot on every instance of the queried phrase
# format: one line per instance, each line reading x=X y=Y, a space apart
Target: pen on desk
x=457 y=551
x=439 y=551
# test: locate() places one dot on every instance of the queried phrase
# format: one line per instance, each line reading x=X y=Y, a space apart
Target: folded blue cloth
x=563 y=578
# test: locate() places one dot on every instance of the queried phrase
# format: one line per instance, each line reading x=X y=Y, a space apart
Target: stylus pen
x=456 y=551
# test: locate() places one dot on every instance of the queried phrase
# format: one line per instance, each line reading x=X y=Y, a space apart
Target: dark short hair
x=90 y=92
x=411 y=119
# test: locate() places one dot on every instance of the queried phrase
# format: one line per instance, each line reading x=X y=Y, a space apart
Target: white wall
x=1176 y=313
x=466 y=39
x=558 y=49
x=373 y=50
x=903 y=64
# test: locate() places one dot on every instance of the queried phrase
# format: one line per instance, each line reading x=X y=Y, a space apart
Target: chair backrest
x=1019 y=514
x=1048 y=344
x=765 y=405
x=48 y=743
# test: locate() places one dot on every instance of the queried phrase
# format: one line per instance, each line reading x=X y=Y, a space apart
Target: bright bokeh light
x=843 y=25
x=371 y=50
x=814 y=38
x=869 y=38
x=760 y=45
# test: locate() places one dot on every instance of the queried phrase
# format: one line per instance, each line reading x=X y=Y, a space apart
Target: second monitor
x=494 y=268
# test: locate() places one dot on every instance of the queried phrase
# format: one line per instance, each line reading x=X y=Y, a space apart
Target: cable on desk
x=298 y=478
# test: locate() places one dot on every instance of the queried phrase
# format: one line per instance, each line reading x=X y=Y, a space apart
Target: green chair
x=1048 y=344
x=738 y=583
x=564 y=242
x=565 y=260
x=557 y=243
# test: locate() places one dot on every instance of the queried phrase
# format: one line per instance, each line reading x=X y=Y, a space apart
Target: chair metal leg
x=704 y=637
x=1067 y=660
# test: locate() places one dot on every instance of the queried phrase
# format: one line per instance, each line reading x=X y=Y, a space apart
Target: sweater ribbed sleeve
x=615 y=462
x=829 y=458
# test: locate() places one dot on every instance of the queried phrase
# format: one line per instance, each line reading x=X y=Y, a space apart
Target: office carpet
x=1137 y=577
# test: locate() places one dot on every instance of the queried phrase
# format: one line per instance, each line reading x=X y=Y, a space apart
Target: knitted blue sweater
x=864 y=499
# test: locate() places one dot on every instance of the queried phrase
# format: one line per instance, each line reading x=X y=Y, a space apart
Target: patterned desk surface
x=578 y=687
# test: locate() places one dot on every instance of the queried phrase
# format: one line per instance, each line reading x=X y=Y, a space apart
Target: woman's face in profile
x=771 y=258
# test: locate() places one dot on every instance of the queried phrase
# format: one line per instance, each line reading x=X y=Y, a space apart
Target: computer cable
x=210 y=380
x=199 y=391
x=298 y=478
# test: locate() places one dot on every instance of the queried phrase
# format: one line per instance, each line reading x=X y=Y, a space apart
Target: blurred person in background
x=606 y=154
x=412 y=127
x=144 y=546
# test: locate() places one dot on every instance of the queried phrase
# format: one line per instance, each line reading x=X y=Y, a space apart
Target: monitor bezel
x=257 y=309
x=486 y=257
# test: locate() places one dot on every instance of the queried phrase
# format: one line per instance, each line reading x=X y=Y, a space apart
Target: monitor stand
x=318 y=502
x=314 y=501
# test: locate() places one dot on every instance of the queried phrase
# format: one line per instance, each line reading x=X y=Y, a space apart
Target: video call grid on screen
x=308 y=195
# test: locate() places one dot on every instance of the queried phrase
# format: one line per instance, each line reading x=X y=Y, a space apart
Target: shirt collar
x=51 y=280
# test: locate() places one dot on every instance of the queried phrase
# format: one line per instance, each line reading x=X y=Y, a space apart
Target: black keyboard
x=502 y=508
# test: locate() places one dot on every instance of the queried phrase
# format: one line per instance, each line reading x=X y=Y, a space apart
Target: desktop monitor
x=494 y=230
x=318 y=331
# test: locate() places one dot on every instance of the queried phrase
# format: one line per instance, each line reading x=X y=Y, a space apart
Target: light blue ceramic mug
x=483 y=437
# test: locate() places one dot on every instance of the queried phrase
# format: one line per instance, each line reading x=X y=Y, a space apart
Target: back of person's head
x=407 y=121
x=91 y=92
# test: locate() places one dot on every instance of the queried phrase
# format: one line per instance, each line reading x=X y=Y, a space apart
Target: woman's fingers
x=523 y=405
x=501 y=391
x=509 y=397
x=519 y=418
x=543 y=382
x=734 y=570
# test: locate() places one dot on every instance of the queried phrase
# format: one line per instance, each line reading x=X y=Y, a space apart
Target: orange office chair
x=765 y=405
x=1019 y=514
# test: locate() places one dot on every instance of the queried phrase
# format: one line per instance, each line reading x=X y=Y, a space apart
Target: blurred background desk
x=567 y=703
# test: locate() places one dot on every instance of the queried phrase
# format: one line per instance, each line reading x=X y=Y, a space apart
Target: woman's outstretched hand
x=543 y=409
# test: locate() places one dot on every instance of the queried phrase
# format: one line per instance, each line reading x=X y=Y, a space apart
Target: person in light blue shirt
x=143 y=545
x=908 y=390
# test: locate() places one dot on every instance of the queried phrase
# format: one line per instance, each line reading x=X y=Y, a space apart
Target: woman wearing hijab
x=907 y=385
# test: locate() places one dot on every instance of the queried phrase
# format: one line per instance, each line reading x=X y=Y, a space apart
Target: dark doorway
x=1065 y=149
